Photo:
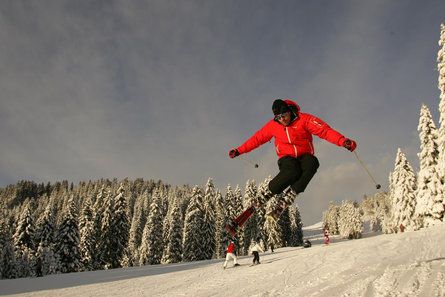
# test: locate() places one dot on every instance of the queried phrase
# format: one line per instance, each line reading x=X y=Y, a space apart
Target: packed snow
x=402 y=264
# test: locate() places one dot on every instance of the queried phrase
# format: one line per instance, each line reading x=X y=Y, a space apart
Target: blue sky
x=164 y=89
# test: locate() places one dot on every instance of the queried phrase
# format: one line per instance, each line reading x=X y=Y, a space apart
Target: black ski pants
x=294 y=172
x=256 y=257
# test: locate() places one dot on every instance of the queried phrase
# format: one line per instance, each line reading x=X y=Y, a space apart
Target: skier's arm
x=318 y=127
x=260 y=137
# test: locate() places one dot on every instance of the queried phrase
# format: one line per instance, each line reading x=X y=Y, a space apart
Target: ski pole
x=247 y=161
x=369 y=173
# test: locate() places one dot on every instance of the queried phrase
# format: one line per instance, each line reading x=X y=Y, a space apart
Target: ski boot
x=277 y=211
x=288 y=199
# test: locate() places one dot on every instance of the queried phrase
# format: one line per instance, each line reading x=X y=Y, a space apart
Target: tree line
x=62 y=227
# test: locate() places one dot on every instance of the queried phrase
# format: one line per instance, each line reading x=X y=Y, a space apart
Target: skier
x=255 y=250
x=325 y=232
x=293 y=132
x=307 y=244
x=230 y=254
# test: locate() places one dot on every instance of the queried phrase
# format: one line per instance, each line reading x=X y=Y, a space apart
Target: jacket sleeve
x=260 y=137
x=318 y=127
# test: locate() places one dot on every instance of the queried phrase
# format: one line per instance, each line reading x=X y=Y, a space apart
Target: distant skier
x=293 y=132
x=307 y=244
x=230 y=254
x=255 y=249
x=325 y=232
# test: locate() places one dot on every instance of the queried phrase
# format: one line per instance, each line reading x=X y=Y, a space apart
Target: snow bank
x=404 y=264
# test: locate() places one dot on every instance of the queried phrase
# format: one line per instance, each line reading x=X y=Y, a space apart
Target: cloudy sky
x=164 y=89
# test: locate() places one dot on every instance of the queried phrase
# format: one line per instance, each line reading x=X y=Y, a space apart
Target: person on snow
x=230 y=254
x=293 y=132
x=325 y=232
x=307 y=244
x=255 y=249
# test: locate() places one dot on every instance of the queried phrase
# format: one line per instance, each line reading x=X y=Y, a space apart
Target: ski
x=242 y=218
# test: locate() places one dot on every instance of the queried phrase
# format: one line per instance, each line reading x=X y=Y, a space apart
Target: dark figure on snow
x=293 y=132
x=256 y=249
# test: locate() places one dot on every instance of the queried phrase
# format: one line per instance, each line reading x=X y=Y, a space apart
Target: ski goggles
x=280 y=116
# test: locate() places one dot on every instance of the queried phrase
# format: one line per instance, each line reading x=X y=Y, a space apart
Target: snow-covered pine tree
x=221 y=234
x=47 y=259
x=251 y=226
x=383 y=211
x=285 y=220
x=166 y=231
x=272 y=229
x=46 y=226
x=98 y=211
x=106 y=239
x=8 y=262
x=192 y=246
x=333 y=218
x=209 y=224
x=350 y=224
x=238 y=196
x=296 y=236
x=430 y=208
x=68 y=239
x=24 y=237
x=24 y=242
x=152 y=244
x=263 y=188
x=87 y=240
x=136 y=229
x=441 y=86
x=173 y=252
x=121 y=226
x=7 y=254
x=403 y=184
x=228 y=209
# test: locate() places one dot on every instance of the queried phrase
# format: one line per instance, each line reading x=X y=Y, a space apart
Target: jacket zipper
x=312 y=147
x=288 y=138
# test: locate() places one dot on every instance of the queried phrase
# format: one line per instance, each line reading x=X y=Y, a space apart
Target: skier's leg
x=256 y=258
x=227 y=260
x=290 y=172
x=234 y=259
x=309 y=165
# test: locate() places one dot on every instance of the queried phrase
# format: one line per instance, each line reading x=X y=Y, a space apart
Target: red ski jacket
x=230 y=248
x=295 y=139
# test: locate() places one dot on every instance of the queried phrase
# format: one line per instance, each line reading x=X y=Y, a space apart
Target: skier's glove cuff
x=349 y=144
x=233 y=153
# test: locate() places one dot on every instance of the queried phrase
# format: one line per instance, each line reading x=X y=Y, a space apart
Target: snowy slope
x=404 y=264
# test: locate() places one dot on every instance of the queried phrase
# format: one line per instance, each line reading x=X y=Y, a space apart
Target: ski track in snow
x=405 y=264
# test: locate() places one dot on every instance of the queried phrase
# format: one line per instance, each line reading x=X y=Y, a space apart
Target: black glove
x=233 y=153
x=350 y=144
